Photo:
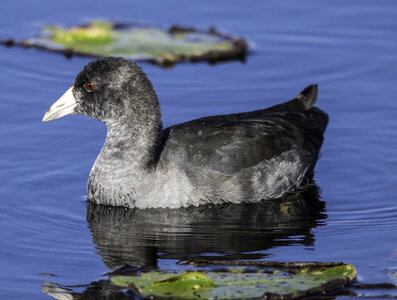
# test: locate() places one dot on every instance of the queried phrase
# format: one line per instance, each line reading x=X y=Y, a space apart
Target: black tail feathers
x=308 y=97
x=304 y=101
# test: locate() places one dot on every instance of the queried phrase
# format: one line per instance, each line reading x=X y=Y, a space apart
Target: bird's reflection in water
x=234 y=231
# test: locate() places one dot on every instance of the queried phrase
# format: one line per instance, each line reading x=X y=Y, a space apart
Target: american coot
x=244 y=157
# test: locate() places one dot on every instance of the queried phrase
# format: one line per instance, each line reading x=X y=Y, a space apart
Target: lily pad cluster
x=141 y=43
x=237 y=282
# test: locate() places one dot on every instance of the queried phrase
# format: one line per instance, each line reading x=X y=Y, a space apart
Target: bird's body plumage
x=243 y=157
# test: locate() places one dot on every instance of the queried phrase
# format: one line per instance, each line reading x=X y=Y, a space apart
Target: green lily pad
x=104 y=38
x=181 y=286
x=238 y=282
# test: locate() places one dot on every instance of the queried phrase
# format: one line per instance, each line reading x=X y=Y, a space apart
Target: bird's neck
x=131 y=142
x=126 y=159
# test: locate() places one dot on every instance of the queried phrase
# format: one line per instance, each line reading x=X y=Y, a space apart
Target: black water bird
x=243 y=157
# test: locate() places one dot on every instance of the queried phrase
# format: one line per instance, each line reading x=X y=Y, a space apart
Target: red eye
x=90 y=86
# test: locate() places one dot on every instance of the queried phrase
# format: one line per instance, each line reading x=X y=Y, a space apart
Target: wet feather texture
x=243 y=157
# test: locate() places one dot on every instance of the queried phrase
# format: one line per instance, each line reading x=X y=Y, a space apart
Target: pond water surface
x=49 y=233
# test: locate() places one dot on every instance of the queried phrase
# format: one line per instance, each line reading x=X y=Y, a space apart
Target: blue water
x=348 y=47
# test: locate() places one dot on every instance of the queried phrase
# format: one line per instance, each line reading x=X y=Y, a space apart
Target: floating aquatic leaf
x=238 y=282
x=104 y=38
